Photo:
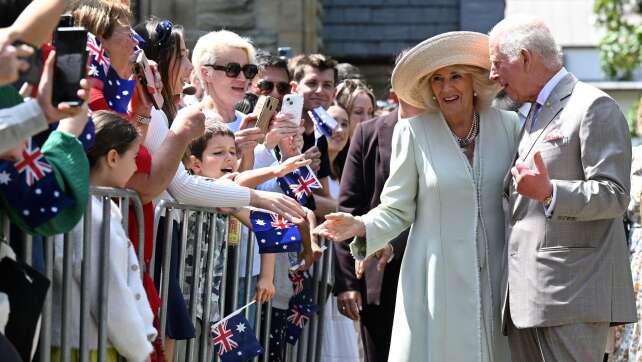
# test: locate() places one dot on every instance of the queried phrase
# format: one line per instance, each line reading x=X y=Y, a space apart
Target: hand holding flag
x=299 y=185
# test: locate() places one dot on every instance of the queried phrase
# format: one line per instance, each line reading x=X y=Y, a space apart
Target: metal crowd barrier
x=200 y=348
x=123 y=197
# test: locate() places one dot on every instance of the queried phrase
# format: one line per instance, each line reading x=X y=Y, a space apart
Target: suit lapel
x=549 y=111
x=548 y=115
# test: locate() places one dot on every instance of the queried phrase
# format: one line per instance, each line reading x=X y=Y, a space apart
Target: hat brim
x=452 y=48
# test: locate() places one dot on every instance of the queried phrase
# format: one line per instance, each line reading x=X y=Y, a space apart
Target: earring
x=474 y=94
x=434 y=98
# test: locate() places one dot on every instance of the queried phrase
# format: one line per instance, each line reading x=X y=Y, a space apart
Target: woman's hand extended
x=340 y=226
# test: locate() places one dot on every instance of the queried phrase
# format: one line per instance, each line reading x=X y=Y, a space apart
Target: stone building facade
x=367 y=33
x=269 y=23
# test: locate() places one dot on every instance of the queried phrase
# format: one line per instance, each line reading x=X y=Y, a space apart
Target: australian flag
x=274 y=233
x=116 y=90
x=324 y=124
x=87 y=137
x=29 y=186
x=234 y=340
x=299 y=186
x=100 y=63
x=298 y=315
x=302 y=305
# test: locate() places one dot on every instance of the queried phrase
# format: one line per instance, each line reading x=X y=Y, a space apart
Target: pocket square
x=553 y=136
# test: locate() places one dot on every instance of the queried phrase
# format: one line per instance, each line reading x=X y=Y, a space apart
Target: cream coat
x=448 y=299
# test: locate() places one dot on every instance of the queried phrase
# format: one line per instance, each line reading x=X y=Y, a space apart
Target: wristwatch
x=547 y=201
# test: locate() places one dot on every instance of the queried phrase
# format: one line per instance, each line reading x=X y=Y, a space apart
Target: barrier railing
x=211 y=230
x=124 y=197
x=206 y=218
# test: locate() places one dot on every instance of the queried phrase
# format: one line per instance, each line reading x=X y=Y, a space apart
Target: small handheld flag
x=274 y=233
x=234 y=340
x=100 y=63
x=299 y=185
x=324 y=124
x=298 y=315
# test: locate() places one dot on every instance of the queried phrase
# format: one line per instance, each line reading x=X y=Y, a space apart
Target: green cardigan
x=69 y=162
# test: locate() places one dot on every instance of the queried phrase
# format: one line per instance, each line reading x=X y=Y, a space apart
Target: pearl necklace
x=472 y=133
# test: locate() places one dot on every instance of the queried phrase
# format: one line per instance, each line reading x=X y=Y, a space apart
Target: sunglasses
x=266 y=86
x=233 y=70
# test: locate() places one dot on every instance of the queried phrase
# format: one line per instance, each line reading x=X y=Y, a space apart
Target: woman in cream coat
x=446 y=173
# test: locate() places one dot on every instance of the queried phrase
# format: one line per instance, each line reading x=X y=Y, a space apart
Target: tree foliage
x=621 y=44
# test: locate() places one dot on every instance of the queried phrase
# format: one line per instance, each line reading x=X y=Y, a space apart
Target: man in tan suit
x=568 y=269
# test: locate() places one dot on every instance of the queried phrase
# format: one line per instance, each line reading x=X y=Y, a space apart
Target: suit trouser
x=376 y=320
x=569 y=342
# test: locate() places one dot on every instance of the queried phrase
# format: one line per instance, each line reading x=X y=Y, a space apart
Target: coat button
x=134 y=267
x=137 y=296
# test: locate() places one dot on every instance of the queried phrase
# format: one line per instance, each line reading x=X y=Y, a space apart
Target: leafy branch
x=621 y=44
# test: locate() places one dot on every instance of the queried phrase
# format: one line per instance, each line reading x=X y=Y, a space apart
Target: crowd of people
x=462 y=231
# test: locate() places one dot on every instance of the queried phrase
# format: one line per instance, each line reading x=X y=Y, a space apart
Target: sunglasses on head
x=233 y=70
x=266 y=86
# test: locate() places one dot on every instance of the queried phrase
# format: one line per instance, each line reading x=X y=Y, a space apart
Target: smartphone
x=31 y=75
x=144 y=73
x=293 y=104
x=71 y=64
x=265 y=108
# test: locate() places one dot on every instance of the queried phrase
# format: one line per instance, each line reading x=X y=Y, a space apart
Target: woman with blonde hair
x=356 y=97
x=446 y=173
x=225 y=64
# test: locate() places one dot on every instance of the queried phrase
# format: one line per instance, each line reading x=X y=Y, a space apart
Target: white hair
x=526 y=32
x=209 y=45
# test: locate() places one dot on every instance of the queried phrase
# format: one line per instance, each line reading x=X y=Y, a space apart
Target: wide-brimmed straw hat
x=453 y=48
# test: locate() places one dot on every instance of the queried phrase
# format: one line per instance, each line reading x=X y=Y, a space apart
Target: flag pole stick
x=234 y=313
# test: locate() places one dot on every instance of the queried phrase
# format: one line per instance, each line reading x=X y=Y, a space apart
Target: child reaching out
x=129 y=318
x=214 y=155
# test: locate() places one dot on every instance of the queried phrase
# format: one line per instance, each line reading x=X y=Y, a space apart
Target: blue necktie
x=533 y=116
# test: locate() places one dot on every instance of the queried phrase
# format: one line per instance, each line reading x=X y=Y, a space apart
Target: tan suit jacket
x=574 y=266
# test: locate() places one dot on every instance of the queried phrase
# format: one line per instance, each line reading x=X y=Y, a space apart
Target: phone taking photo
x=71 y=64
x=143 y=71
x=293 y=104
x=266 y=107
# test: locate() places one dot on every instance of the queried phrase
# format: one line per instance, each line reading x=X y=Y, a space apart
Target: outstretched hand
x=532 y=183
x=340 y=226
x=293 y=163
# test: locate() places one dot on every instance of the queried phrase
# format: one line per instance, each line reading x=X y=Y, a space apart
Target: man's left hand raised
x=532 y=183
